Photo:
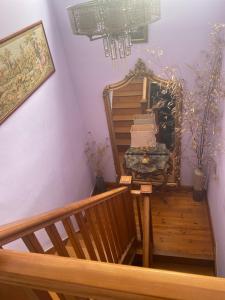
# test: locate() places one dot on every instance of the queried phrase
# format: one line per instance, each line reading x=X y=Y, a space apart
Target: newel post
x=146 y=191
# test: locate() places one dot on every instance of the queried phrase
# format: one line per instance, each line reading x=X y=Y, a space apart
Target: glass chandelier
x=113 y=21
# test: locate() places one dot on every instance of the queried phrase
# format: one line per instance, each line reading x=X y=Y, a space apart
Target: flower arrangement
x=202 y=109
x=202 y=103
x=96 y=153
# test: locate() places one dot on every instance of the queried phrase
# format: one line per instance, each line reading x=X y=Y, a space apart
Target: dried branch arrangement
x=96 y=154
x=202 y=109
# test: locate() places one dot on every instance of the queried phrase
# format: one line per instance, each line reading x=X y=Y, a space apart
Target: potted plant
x=96 y=154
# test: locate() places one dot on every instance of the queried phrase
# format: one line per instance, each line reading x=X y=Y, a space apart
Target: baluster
x=73 y=238
x=124 y=222
x=115 y=226
x=130 y=202
x=138 y=204
x=99 y=222
x=147 y=226
x=120 y=218
x=95 y=234
x=86 y=236
x=127 y=216
x=32 y=243
x=41 y=295
x=56 y=240
x=109 y=231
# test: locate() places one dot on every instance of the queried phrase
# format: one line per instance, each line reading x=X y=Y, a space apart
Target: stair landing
x=181 y=226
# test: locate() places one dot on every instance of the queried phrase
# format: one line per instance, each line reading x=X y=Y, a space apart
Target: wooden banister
x=97 y=280
x=13 y=231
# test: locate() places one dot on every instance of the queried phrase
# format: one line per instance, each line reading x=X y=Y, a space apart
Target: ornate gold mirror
x=138 y=97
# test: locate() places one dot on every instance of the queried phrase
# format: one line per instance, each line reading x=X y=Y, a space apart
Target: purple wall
x=41 y=145
x=182 y=33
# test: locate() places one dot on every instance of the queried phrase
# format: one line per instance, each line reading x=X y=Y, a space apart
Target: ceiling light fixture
x=113 y=21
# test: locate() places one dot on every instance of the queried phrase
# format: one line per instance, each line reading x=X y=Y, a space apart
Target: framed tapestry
x=25 y=63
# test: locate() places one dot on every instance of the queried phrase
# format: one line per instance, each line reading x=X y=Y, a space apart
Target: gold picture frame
x=139 y=73
x=25 y=63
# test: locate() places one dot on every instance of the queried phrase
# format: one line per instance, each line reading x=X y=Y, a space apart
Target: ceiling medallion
x=113 y=21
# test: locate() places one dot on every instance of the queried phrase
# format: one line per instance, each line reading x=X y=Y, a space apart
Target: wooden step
x=125 y=129
x=123 y=117
x=123 y=142
x=126 y=105
x=127 y=93
x=123 y=123
x=123 y=135
x=126 y=111
x=132 y=86
x=127 y=99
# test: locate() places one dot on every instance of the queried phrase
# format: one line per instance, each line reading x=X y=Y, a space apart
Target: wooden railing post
x=146 y=190
x=144 y=96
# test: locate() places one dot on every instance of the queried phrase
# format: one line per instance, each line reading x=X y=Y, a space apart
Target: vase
x=198 y=185
x=100 y=186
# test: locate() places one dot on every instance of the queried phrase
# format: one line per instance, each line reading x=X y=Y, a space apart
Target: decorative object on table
x=126 y=180
x=114 y=21
x=202 y=110
x=150 y=163
x=25 y=63
x=96 y=154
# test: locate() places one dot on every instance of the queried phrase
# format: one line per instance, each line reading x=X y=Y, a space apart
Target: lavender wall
x=41 y=145
x=182 y=33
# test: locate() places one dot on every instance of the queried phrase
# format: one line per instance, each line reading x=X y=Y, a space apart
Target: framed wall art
x=25 y=63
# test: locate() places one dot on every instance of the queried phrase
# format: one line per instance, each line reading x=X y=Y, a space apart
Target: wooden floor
x=181 y=226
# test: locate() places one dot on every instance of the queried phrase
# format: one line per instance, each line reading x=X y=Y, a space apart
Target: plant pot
x=198 y=185
x=100 y=186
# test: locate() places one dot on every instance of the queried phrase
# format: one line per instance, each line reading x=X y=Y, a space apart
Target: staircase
x=101 y=236
x=126 y=104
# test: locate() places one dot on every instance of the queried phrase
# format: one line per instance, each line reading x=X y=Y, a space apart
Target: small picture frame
x=140 y=35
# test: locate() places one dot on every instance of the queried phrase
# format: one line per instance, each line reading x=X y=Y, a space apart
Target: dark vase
x=100 y=186
x=199 y=192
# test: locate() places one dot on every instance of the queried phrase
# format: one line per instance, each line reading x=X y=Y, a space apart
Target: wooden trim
x=147 y=244
x=213 y=235
x=104 y=280
x=11 y=232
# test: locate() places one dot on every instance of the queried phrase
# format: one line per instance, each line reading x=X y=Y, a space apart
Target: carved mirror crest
x=138 y=94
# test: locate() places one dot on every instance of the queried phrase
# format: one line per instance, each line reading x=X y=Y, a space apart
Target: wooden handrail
x=104 y=280
x=13 y=231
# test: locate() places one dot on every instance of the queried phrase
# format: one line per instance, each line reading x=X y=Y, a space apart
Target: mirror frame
x=141 y=71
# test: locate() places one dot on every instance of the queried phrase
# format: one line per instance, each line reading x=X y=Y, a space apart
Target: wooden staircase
x=126 y=103
x=101 y=235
